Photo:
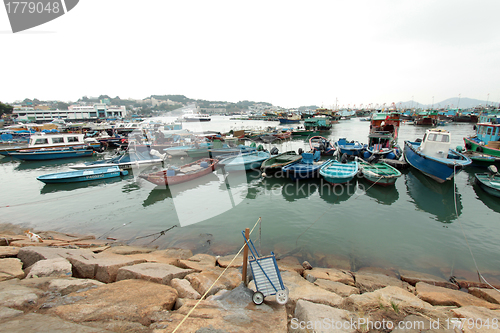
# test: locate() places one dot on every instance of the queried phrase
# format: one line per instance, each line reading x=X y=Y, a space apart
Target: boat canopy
x=436 y=143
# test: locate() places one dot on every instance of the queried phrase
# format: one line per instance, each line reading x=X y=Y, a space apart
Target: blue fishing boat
x=336 y=172
x=52 y=154
x=433 y=157
x=247 y=161
x=324 y=146
x=82 y=175
x=353 y=148
x=305 y=168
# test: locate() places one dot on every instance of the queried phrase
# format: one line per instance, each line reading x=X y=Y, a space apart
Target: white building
x=74 y=112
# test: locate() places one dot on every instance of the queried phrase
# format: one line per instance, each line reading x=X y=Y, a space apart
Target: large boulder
x=413 y=278
x=8 y=251
x=312 y=317
x=443 y=296
x=475 y=319
x=226 y=260
x=390 y=297
x=34 y=322
x=130 y=300
x=58 y=267
x=126 y=250
x=69 y=285
x=367 y=282
x=336 y=287
x=300 y=288
x=184 y=289
x=14 y=294
x=102 y=267
x=30 y=255
x=490 y=295
x=202 y=282
x=331 y=274
x=198 y=262
x=11 y=268
x=232 y=312
x=152 y=271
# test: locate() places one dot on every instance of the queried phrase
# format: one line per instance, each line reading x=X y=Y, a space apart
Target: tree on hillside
x=5 y=109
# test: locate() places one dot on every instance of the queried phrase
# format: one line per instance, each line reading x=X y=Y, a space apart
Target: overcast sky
x=289 y=53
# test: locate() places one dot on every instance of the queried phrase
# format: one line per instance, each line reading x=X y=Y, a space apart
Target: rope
x=213 y=284
x=463 y=232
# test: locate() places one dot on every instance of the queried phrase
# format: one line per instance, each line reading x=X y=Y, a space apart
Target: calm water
x=413 y=225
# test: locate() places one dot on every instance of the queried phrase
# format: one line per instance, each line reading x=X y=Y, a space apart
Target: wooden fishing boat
x=306 y=167
x=82 y=175
x=382 y=139
x=487 y=138
x=276 y=163
x=324 y=146
x=353 y=148
x=53 y=153
x=247 y=161
x=336 y=172
x=379 y=173
x=489 y=182
x=433 y=157
x=182 y=174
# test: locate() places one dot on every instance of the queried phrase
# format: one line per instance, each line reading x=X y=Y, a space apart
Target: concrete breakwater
x=72 y=283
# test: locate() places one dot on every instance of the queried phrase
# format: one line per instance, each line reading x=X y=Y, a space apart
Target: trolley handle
x=249 y=242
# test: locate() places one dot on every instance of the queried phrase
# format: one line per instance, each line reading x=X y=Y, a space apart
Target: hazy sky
x=289 y=53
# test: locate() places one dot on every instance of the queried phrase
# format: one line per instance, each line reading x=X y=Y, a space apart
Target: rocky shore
x=72 y=283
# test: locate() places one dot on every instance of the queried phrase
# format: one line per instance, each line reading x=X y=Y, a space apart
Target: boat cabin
x=54 y=140
x=436 y=143
x=488 y=132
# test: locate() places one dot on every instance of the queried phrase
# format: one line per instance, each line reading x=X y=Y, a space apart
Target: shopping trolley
x=266 y=275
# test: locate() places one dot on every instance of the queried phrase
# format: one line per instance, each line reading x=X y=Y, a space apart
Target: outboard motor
x=274 y=151
x=492 y=170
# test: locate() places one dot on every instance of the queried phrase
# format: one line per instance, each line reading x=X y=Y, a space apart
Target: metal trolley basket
x=266 y=275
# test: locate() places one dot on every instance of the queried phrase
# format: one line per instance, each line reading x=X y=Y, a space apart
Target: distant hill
x=464 y=103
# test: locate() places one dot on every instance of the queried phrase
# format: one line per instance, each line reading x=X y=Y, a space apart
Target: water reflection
x=160 y=193
x=432 y=197
x=385 y=195
x=490 y=201
x=338 y=193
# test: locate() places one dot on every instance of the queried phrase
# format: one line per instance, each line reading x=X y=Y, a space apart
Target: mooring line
x=213 y=284
x=463 y=232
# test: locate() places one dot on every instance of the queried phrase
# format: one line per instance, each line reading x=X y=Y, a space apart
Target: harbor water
x=418 y=224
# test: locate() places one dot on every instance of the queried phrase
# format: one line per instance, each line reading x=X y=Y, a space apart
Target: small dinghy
x=82 y=175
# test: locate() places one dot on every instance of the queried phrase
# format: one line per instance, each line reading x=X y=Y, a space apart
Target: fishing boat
x=290 y=118
x=318 y=123
x=487 y=138
x=379 y=173
x=324 y=146
x=307 y=167
x=182 y=150
x=182 y=174
x=426 y=118
x=353 y=148
x=52 y=154
x=304 y=132
x=218 y=148
x=336 y=172
x=433 y=156
x=82 y=175
x=131 y=158
x=382 y=139
x=58 y=140
x=276 y=163
x=489 y=182
x=247 y=161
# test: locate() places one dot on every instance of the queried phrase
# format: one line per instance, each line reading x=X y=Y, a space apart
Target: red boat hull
x=161 y=178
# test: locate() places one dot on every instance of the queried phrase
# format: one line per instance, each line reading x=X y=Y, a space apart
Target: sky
x=288 y=53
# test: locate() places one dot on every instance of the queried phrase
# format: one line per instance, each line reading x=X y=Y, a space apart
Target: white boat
x=56 y=140
x=190 y=115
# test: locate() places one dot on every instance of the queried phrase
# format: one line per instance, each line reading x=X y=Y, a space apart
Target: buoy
x=264 y=174
x=391 y=156
x=366 y=155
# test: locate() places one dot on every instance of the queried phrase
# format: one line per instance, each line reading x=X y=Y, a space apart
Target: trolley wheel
x=258 y=298
x=282 y=297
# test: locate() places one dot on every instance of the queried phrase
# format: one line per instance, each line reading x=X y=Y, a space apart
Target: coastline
x=82 y=284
